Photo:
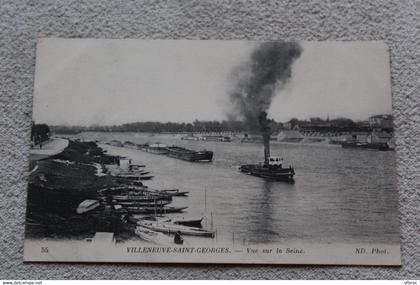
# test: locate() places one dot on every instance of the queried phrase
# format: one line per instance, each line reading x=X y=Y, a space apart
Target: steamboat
x=272 y=167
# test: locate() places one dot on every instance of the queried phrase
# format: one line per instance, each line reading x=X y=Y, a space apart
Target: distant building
x=287 y=126
x=356 y=137
x=367 y=137
x=380 y=137
x=381 y=121
x=290 y=136
x=252 y=137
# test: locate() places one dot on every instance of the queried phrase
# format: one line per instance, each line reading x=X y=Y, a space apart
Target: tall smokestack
x=257 y=81
x=266 y=134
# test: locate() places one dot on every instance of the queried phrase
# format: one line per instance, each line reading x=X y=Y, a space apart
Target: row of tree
x=208 y=126
x=39 y=133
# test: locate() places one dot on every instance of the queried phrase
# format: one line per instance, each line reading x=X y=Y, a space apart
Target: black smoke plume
x=266 y=72
x=258 y=80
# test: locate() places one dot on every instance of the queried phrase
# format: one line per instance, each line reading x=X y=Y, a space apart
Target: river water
x=340 y=195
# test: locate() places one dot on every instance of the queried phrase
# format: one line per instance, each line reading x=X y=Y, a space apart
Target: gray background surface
x=23 y=22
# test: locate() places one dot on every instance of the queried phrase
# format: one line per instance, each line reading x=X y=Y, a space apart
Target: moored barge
x=369 y=146
x=156 y=148
x=189 y=155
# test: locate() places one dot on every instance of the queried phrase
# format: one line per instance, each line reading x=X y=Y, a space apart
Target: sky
x=109 y=82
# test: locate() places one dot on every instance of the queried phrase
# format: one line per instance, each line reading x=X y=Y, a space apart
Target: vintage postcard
x=212 y=152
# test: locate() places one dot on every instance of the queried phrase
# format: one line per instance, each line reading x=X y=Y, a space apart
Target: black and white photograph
x=199 y=151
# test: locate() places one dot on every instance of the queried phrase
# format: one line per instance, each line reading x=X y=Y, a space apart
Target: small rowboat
x=189 y=222
x=159 y=203
x=171 y=228
x=157 y=210
x=146 y=177
x=171 y=192
x=174 y=192
x=196 y=223
x=153 y=237
x=141 y=198
x=135 y=176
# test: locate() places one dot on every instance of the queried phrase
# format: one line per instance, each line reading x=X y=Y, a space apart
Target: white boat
x=86 y=206
x=189 y=222
x=171 y=228
x=153 y=236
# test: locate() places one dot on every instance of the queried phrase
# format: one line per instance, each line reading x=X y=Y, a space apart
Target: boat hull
x=157 y=210
x=161 y=151
x=170 y=228
x=173 y=192
x=188 y=155
x=143 y=204
x=153 y=236
x=269 y=173
x=190 y=223
x=369 y=146
x=141 y=198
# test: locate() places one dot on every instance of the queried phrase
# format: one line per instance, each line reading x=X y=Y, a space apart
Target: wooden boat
x=154 y=209
x=142 y=198
x=86 y=206
x=216 y=138
x=174 y=192
x=134 y=188
x=196 y=223
x=134 y=177
x=189 y=155
x=146 y=177
x=160 y=219
x=132 y=173
x=171 y=192
x=369 y=146
x=159 y=203
x=153 y=236
x=129 y=144
x=171 y=228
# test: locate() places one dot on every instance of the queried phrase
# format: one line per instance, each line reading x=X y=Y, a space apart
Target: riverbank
x=60 y=183
x=48 y=148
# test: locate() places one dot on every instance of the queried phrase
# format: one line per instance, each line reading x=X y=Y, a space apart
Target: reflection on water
x=339 y=195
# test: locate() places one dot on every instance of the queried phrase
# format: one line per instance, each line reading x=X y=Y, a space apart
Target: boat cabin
x=275 y=161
